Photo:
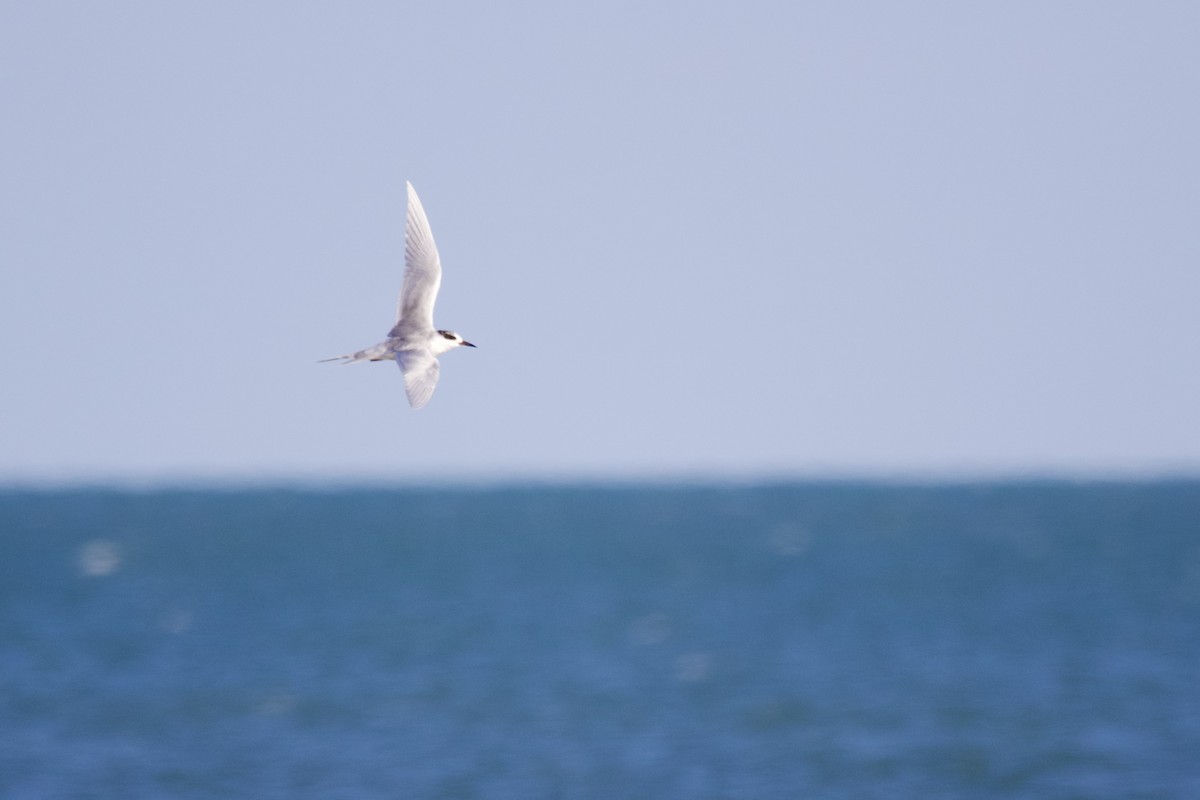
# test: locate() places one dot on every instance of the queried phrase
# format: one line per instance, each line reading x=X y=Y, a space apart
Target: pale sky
x=689 y=238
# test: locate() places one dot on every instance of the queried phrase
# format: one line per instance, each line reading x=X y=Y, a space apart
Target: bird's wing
x=420 y=370
x=422 y=271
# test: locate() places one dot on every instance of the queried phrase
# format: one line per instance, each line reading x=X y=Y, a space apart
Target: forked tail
x=377 y=352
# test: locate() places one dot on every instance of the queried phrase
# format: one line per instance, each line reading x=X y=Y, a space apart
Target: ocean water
x=824 y=640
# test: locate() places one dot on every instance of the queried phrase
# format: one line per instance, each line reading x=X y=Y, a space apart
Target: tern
x=413 y=342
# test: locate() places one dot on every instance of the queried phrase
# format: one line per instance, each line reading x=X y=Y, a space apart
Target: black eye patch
x=445 y=335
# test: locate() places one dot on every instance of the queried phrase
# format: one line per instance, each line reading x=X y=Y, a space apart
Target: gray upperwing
x=422 y=271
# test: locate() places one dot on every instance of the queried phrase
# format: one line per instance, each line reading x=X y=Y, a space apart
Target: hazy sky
x=689 y=238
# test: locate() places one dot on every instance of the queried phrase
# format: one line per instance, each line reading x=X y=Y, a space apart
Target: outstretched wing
x=422 y=271
x=420 y=370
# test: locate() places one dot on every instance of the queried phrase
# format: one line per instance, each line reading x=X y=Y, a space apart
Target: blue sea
x=812 y=640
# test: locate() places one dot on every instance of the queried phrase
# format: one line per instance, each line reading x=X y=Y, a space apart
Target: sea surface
x=818 y=640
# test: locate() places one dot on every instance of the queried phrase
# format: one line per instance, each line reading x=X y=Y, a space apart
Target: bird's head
x=452 y=339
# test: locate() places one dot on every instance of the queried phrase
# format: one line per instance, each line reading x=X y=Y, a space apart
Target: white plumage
x=413 y=341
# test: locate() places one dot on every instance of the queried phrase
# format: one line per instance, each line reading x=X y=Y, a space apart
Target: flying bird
x=413 y=341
